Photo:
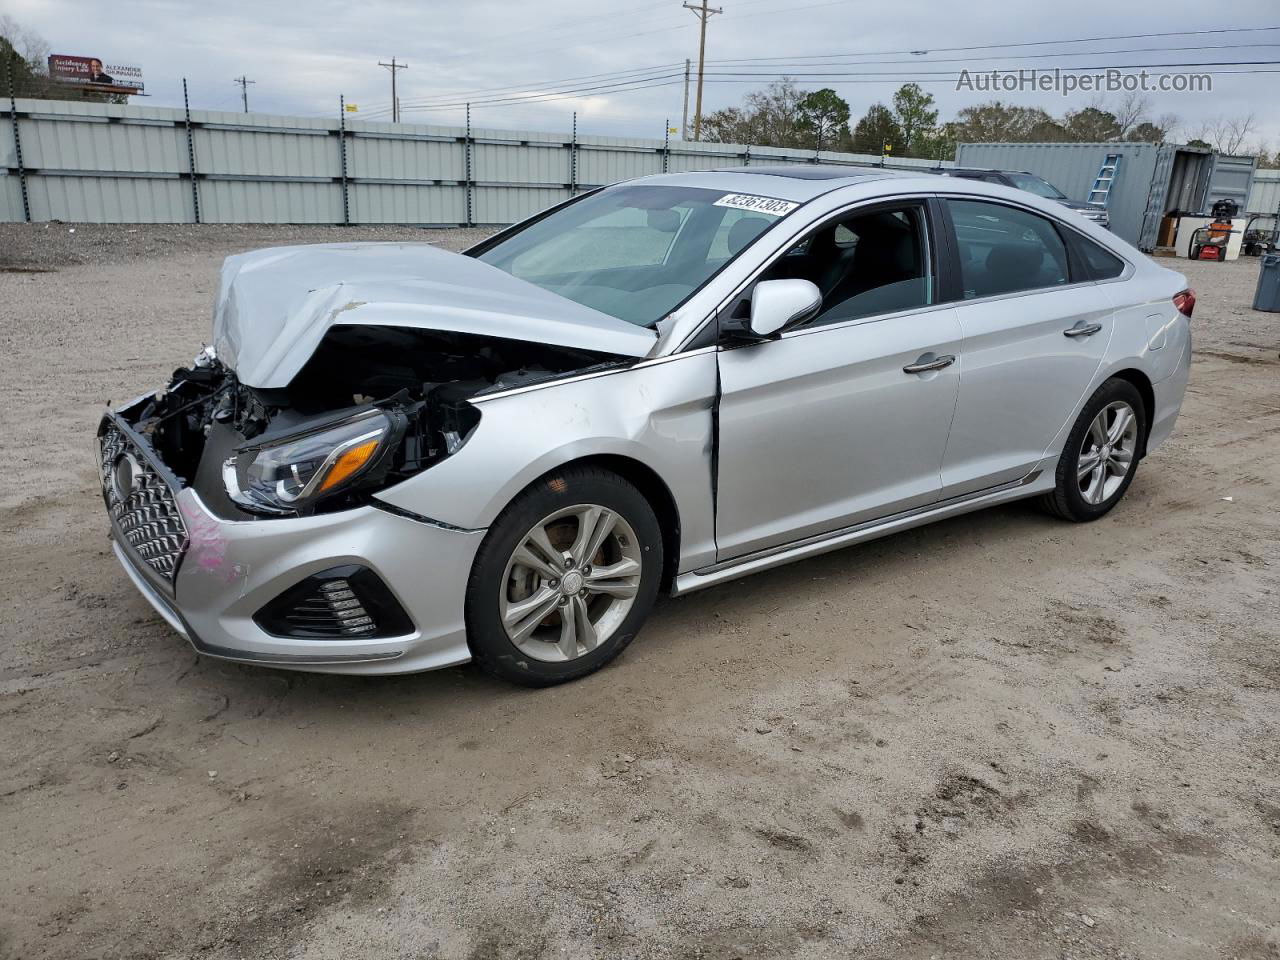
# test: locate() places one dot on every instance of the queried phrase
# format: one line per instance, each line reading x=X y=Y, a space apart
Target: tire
x=511 y=580
x=1083 y=498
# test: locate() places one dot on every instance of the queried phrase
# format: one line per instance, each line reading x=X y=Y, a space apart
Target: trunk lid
x=274 y=306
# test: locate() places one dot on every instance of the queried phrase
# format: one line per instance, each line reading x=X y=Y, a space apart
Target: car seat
x=744 y=231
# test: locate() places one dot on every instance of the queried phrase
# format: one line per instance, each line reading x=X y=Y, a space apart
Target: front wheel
x=564 y=579
x=1101 y=454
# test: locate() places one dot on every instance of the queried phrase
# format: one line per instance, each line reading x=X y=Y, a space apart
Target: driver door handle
x=1085 y=330
x=924 y=366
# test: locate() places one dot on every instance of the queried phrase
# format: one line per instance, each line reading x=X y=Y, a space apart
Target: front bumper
x=230 y=569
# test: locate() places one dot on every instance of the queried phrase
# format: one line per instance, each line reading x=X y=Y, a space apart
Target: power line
x=395 y=102
x=587 y=90
x=1005 y=46
x=955 y=72
x=684 y=121
x=949 y=78
x=518 y=87
x=535 y=87
x=536 y=93
x=952 y=76
x=898 y=78
x=873 y=76
x=244 y=90
x=612 y=35
x=666 y=79
x=1017 y=57
x=608 y=27
x=647 y=78
x=703 y=13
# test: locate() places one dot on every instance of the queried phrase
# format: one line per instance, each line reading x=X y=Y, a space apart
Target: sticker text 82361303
x=766 y=205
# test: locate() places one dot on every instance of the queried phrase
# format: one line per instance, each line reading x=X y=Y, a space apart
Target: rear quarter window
x=1102 y=263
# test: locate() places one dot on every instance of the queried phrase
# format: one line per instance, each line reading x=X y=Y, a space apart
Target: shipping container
x=1264 y=194
x=1231 y=179
x=1153 y=180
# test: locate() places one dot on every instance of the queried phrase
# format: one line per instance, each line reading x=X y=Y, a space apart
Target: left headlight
x=291 y=473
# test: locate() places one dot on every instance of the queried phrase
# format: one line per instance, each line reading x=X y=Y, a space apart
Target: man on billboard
x=95 y=73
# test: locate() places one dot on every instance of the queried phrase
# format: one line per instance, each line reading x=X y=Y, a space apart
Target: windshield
x=636 y=251
x=1033 y=184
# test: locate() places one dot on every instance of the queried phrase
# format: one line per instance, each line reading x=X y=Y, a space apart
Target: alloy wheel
x=1107 y=452
x=570 y=583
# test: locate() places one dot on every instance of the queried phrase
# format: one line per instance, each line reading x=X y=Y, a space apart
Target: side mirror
x=776 y=304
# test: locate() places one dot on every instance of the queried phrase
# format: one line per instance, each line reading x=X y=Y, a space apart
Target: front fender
x=658 y=413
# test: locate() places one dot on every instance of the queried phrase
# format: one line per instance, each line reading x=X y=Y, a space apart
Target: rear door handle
x=924 y=366
x=1087 y=330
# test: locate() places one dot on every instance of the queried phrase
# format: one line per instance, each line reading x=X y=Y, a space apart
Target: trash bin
x=1267 y=296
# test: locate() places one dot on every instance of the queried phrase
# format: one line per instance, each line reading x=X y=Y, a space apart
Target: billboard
x=91 y=73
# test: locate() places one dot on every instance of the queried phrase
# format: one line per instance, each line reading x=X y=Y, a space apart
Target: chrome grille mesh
x=145 y=514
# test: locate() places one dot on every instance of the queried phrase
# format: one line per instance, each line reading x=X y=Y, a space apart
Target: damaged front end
x=251 y=498
x=371 y=407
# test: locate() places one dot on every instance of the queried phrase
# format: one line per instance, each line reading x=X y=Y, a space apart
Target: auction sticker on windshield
x=765 y=205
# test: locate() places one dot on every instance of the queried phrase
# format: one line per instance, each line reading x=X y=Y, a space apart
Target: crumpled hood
x=274 y=306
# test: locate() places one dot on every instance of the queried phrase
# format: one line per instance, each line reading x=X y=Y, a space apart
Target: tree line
x=783 y=115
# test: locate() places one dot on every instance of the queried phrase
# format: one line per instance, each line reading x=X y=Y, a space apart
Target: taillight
x=1185 y=301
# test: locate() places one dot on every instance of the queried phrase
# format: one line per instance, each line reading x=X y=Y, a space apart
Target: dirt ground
x=999 y=736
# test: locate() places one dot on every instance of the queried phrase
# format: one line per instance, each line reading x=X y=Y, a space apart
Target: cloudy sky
x=303 y=55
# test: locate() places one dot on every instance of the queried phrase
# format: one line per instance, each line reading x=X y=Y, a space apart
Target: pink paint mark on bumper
x=207 y=545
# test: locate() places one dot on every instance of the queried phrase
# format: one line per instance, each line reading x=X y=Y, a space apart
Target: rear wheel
x=1101 y=454
x=564 y=579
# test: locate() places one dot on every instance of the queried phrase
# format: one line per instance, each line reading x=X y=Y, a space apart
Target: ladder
x=1103 y=182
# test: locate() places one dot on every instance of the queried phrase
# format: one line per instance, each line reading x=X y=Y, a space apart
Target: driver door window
x=869 y=263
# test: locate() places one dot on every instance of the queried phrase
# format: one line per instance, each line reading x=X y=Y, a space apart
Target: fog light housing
x=342 y=603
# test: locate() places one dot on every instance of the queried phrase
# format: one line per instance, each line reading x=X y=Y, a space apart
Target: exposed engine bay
x=372 y=406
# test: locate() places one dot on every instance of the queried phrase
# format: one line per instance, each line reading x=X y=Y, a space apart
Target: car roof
x=982 y=170
x=798 y=182
x=785 y=183
x=814 y=171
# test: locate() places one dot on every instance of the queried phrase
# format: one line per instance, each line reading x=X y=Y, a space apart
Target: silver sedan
x=395 y=458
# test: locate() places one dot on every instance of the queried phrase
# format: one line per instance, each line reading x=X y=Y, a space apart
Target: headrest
x=744 y=231
x=1020 y=260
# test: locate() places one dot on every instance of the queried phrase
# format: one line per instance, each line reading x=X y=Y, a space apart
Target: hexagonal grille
x=147 y=517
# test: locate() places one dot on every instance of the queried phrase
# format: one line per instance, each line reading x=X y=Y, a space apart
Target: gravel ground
x=999 y=736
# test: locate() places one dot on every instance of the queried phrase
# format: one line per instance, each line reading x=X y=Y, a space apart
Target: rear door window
x=1006 y=249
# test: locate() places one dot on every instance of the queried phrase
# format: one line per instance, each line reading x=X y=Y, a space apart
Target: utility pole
x=703 y=13
x=684 y=122
x=244 y=90
x=395 y=101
